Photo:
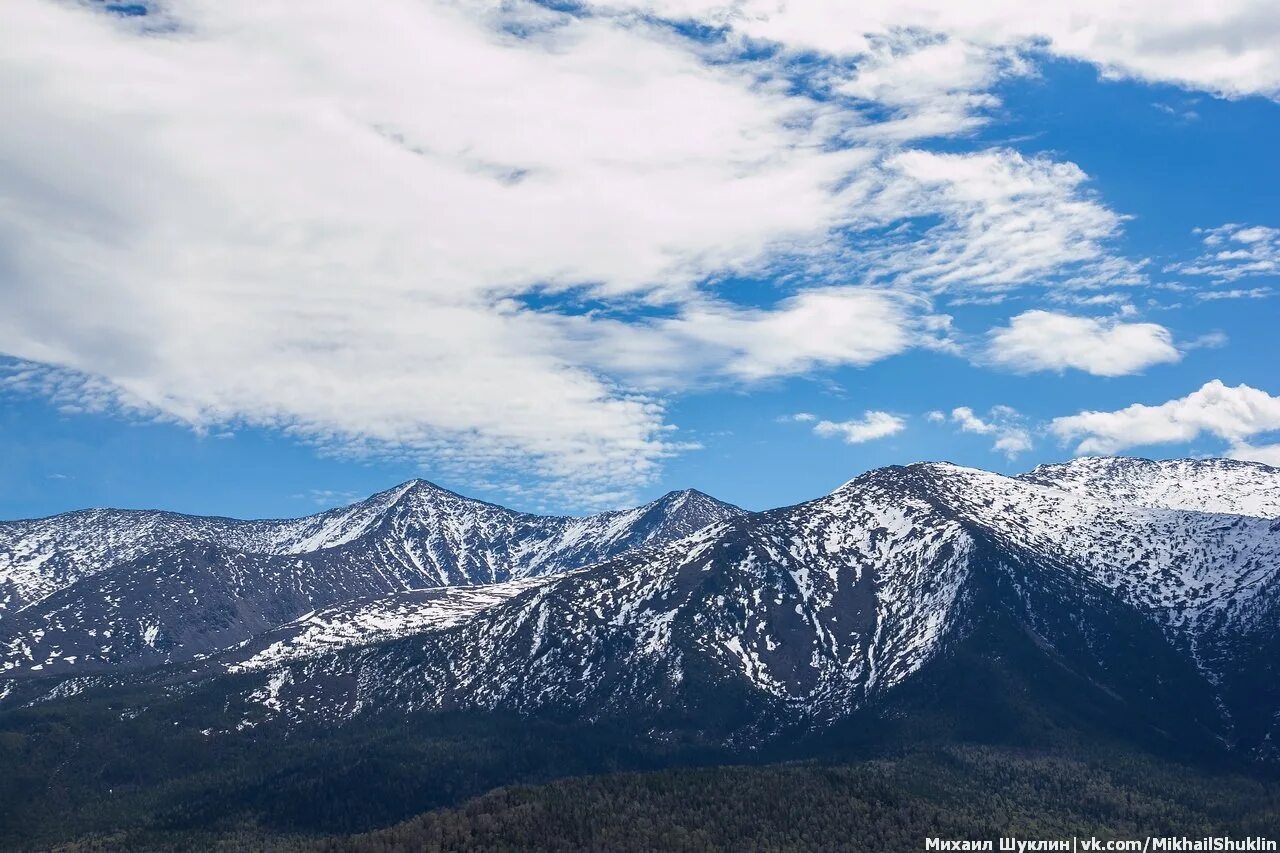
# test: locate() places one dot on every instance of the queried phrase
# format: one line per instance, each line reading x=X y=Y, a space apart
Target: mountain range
x=106 y=589
x=1148 y=589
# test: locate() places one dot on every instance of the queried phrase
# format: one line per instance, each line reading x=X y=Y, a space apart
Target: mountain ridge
x=195 y=594
x=686 y=616
x=1231 y=486
x=817 y=610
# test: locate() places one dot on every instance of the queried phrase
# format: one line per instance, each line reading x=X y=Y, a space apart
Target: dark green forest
x=885 y=804
x=79 y=770
x=78 y=777
x=877 y=805
x=996 y=741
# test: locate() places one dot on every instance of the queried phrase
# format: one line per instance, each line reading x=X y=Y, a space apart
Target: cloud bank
x=497 y=235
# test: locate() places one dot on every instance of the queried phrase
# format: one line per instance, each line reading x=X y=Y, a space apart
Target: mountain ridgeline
x=794 y=619
x=1156 y=584
x=446 y=646
x=112 y=589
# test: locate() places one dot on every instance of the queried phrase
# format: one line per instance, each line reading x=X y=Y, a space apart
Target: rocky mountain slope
x=1153 y=587
x=801 y=616
x=106 y=588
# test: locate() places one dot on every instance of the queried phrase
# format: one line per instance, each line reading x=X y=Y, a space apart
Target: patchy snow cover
x=815 y=610
x=795 y=616
x=1210 y=581
x=447 y=537
x=371 y=621
x=107 y=588
x=1183 y=564
x=1203 y=485
x=40 y=556
x=816 y=607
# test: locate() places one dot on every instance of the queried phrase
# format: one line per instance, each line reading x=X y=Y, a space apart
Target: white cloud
x=1013 y=442
x=816 y=328
x=1235 y=252
x=339 y=221
x=1234 y=414
x=1225 y=47
x=710 y=340
x=1046 y=340
x=870 y=426
x=1004 y=422
x=1209 y=340
x=1121 y=300
x=934 y=86
x=326 y=235
x=1267 y=454
x=1182 y=113
x=1235 y=293
x=328 y=497
x=1006 y=220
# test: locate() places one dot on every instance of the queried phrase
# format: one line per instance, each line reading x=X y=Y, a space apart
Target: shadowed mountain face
x=110 y=588
x=1118 y=586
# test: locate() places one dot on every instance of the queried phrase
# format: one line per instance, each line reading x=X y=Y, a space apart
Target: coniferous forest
x=881 y=805
x=1003 y=756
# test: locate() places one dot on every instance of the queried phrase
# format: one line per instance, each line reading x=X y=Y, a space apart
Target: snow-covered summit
x=449 y=537
x=1204 y=485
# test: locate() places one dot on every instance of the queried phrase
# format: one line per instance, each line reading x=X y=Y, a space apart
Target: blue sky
x=565 y=260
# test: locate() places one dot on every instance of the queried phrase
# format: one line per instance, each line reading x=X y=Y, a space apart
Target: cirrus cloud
x=1234 y=252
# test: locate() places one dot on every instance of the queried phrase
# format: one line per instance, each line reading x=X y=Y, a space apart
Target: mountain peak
x=696 y=506
x=677 y=496
x=809 y=613
x=894 y=476
x=420 y=486
x=420 y=492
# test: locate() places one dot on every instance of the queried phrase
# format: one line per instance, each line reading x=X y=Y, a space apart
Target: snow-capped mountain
x=109 y=588
x=804 y=615
x=1195 y=596
x=370 y=621
x=1128 y=579
x=797 y=612
x=40 y=556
